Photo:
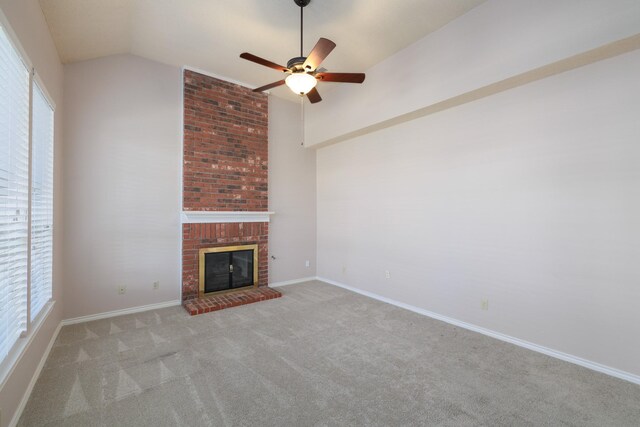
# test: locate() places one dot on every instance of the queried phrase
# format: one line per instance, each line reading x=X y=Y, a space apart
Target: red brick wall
x=225 y=169
x=197 y=236
x=225 y=146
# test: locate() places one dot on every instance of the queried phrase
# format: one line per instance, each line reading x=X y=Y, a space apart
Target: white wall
x=122 y=180
x=497 y=40
x=28 y=23
x=529 y=198
x=292 y=195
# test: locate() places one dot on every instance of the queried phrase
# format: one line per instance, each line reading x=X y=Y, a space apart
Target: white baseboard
x=114 y=313
x=627 y=376
x=34 y=379
x=292 y=282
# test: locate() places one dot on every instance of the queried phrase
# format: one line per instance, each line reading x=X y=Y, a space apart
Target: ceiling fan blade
x=319 y=52
x=341 y=77
x=261 y=61
x=314 y=96
x=269 y=86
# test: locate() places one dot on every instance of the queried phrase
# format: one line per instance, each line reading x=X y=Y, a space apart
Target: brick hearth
x=222 y=301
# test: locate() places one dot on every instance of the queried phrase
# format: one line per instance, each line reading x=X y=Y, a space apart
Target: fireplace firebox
x=228 y=268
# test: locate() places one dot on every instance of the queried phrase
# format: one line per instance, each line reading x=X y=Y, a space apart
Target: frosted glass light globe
x=301 y=83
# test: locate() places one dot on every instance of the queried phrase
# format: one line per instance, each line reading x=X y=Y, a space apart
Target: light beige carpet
x=318 y=356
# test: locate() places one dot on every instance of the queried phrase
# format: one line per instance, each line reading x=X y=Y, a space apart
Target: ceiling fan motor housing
x=296 y=63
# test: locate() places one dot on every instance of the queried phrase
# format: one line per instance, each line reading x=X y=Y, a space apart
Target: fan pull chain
x=302 y=120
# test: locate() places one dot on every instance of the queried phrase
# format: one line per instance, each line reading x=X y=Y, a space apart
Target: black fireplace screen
x=228 y=270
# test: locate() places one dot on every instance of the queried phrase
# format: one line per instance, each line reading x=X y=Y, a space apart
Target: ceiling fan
x=303 y=72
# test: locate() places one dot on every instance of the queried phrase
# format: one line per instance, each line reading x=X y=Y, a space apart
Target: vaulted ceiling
x=210 y=34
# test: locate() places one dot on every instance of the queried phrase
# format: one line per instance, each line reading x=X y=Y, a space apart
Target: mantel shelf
x=208 y=217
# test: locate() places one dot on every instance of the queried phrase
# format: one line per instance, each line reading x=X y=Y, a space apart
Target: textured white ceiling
x=210 y=34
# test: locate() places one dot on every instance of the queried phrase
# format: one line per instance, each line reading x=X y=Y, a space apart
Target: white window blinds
x=14 y=193
x=41 y=201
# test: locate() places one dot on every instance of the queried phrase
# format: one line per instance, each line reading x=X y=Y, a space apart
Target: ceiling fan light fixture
x=304 y=71
x=301 y=83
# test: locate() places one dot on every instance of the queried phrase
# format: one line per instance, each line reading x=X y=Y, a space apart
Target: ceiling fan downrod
x=302 y=4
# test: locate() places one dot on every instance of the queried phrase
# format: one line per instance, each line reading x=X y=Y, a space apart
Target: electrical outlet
x=344 y=269
x=307 y=263
x=156 y=285
x=387 y=274
x=484 y=304
x=122 y=289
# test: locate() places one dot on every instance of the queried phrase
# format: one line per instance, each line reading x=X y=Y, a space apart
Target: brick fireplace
x=198 y=236
x=225 y=175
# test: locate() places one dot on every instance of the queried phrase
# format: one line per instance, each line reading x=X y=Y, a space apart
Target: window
x=41 y=201
x=26 y=196
x=14 y=194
